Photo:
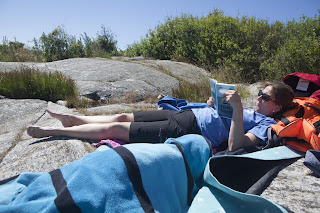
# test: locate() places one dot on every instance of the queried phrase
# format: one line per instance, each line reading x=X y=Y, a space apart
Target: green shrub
x=213 y=42
x=133 y=50
x=58 y=45
x=30 y=83
x=88 y=45
x=299 y=53
x=237 y=49
x=14 y=51
x=106 y=40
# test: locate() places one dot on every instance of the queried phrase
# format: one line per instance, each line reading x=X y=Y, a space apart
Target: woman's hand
x=233 y=98
x=210 y=102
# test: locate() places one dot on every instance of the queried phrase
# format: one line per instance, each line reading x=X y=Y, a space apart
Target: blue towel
x=130 y=178
x=176 y=104
x=135 y=178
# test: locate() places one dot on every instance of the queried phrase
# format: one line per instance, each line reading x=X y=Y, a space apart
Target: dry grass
x=193 y=92
x=162 y=69
x=243 y=92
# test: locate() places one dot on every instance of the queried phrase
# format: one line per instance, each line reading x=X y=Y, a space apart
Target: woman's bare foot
x=67 y=120
x=37 y=132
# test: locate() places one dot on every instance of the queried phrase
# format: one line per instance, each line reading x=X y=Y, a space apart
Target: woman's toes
x=65 y=119
x=35 y=132
x=54 y=115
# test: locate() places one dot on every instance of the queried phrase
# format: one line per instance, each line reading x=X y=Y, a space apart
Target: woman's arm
x=237 y=138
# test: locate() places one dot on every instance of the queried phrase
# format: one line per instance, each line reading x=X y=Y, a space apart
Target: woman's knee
x=117 y=130
x=125 y=117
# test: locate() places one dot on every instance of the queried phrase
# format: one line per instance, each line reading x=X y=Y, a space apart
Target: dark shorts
x=157 y=126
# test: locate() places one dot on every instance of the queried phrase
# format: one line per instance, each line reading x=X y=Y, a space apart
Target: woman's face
x=264 y=106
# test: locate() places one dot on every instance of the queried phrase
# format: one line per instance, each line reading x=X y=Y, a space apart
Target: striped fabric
x=129 y=178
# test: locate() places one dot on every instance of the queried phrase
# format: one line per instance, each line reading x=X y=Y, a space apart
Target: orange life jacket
x=300 y=127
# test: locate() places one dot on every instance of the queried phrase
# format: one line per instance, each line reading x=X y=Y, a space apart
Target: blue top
x=216 y=129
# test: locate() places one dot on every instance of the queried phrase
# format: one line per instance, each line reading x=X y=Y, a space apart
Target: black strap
x=317 y=126
x=300 y=113
x=282 y=118
x=313 y=107
x=286 y=121
x=295 y=139
x=8 y=180
x=64 y=201
x=135 y=177
x=189 y=174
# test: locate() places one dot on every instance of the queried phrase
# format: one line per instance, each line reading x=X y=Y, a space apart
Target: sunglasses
x=264 y=96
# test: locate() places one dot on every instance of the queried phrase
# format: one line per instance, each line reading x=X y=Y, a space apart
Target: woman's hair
x=283 y=95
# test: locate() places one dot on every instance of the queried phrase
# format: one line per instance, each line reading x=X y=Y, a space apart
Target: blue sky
x=130 y=20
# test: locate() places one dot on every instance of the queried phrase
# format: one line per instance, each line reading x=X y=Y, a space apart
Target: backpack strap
x=317 y=126
x=317 y=123
x=313 y=107
x=300 y=113
x=286 y=121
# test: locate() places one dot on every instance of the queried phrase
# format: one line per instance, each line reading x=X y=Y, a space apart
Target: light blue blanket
x=132 y=178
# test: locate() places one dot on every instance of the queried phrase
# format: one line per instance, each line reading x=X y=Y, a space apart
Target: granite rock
x=21 y=153
x=114 y=80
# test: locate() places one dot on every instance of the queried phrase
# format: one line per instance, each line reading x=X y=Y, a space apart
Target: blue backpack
x=171 y=103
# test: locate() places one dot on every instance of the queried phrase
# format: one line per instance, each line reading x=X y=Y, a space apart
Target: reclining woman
x=247 y=127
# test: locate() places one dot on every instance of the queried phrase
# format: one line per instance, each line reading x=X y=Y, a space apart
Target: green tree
x=300 y=51
x=106 y=40
x=76 y=48
x=55 y=44
x=88 y=45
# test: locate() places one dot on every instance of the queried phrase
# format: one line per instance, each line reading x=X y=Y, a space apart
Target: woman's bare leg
x=95 y=131
x=69 y=120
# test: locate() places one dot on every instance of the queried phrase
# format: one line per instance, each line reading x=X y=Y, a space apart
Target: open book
x=224 y=109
